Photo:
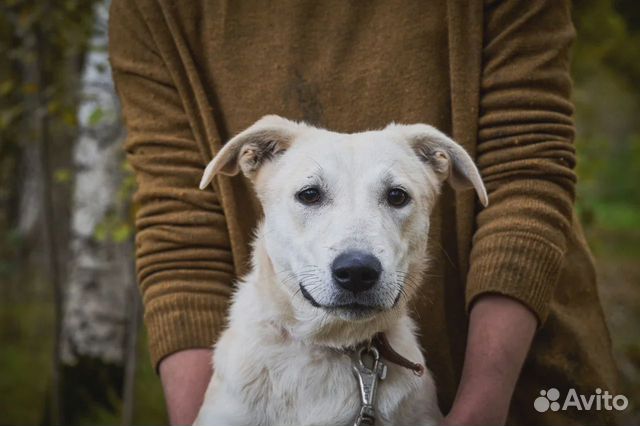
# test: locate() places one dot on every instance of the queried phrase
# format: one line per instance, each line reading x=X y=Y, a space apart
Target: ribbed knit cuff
x=522 y=266
x=182 y=321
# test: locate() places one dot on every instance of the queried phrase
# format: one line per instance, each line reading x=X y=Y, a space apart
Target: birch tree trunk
x=101 y=300
x=99 y=265
x=100 y=278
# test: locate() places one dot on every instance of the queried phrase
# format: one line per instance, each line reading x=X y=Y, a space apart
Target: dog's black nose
x=356 y=271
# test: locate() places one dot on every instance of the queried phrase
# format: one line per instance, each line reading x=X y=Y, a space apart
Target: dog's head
x=346 y=215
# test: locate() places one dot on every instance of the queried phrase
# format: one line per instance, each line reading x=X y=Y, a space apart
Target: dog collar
x=380 y=342
x=387 y=352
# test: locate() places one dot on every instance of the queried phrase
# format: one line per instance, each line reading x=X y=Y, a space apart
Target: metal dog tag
x=368 y=381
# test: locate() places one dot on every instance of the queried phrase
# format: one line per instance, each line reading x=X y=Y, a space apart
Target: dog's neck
x=305 y=323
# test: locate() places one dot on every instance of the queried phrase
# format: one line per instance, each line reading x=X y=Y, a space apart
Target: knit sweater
x=494 y=75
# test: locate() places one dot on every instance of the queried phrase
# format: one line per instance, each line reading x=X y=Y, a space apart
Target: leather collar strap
x=381 y=343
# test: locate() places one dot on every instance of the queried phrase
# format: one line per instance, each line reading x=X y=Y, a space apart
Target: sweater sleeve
x=525 y=152
x=183 y=254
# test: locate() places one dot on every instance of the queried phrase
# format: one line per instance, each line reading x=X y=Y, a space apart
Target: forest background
x=72 y=347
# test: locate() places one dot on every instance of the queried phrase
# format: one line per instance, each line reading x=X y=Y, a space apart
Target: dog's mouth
x=355 y=308
x=353 y=311
x=309 y=297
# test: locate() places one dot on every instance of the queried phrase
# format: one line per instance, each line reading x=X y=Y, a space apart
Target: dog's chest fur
x=265 y=377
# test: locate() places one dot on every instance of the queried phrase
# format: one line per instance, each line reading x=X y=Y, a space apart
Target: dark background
x=72 y=349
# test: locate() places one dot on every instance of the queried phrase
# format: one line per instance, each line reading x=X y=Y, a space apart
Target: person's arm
x=525 y=154
x=500 y=333
x=185 y=377
x=183 y=254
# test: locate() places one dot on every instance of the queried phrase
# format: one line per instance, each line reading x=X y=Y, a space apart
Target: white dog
x=323 y=316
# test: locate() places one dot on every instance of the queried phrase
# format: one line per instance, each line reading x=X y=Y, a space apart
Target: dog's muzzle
x=355 y=275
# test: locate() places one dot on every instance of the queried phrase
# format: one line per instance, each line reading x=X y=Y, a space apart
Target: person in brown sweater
x=510 y=305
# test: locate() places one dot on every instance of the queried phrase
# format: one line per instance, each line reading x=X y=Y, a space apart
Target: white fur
x=281 y=360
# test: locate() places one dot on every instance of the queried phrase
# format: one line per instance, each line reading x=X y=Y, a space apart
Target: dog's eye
x=397 y=197
x=309 y=196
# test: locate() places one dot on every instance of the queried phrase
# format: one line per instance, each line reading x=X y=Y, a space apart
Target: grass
x=25 y=357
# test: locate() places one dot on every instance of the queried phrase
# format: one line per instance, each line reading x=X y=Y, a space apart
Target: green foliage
x=28 y=26
x=606 y=69
x=608 y=36
x=96 y=116
x=114 y=229
x=62 y=175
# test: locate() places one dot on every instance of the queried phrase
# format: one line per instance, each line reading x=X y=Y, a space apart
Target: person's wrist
x=185 y=376
x=477 y=412
x=483 y=404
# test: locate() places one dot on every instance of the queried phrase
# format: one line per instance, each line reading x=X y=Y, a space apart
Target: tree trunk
x=99 y=273
x=95 y=338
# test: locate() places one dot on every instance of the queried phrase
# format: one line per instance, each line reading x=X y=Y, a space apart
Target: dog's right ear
x=247 y=151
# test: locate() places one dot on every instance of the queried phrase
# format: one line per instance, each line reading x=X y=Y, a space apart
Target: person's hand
x=500 y=333
x=185 y=376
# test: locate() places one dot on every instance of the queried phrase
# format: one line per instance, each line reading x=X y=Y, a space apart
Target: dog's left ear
x=247 y=151
x=448 y=159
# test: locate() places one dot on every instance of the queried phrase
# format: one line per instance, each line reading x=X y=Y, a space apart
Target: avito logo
x=550 y=400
